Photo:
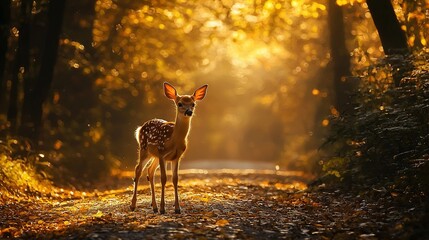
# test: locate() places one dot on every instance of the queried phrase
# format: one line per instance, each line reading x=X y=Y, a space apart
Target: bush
x=386 y=138
x=23 y=172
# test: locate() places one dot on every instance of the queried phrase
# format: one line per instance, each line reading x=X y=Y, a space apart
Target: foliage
x=415 y=23
x=268 y=68
x=266 y=63
x=23 y=172
x=363 y=41
x=385 y=139
x=242 y=49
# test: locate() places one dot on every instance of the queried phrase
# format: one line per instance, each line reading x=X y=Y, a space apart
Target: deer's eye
x=193 y=104
x=180 y=104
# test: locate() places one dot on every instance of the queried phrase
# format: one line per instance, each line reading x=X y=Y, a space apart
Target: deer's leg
x=152 y=166
x=163 y=182
x=175 y=170
x=137 y=174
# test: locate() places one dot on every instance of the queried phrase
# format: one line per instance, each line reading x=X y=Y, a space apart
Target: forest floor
x=242 y=204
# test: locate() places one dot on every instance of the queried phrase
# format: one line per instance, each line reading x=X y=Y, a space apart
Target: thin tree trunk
x=22 y=63
x=4 y=36
x=340 y=57
x=33 y=102
x=79 y=22
x=391 y=35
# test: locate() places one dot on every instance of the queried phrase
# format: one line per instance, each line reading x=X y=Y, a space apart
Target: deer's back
x=155 y=133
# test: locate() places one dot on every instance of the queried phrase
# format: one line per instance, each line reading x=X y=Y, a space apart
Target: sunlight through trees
x=269 y=63
x=328 y=97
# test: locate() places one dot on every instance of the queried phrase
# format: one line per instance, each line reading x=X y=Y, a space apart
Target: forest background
x=304 y=85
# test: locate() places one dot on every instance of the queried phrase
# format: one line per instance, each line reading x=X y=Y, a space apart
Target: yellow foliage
x=351 y=2
x=267 y=99
x=342 y=2
x=99 y=214
x=19 y=178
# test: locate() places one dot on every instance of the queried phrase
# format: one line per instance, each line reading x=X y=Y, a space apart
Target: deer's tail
x=137 y=134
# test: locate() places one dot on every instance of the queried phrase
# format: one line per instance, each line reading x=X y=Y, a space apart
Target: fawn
x=160 y=141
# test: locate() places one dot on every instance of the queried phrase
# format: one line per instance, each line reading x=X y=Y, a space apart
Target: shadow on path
x=244 y=204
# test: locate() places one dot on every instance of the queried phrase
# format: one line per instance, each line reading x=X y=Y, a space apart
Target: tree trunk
x=78 y=25
x=391 y=35
x=340 y=58
x=393 y=39
x=79 y=22
x=33 y=102
x=22 y=63
x=4 y=36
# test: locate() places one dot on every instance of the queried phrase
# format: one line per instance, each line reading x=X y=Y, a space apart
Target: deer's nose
x=188 y=112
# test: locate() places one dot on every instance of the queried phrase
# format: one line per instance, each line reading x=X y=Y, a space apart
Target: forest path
x=243 y=204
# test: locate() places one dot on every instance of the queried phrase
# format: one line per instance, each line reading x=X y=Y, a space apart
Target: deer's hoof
x=177 y=211
x=132 y=208
x=155 y=210
x=162 y=211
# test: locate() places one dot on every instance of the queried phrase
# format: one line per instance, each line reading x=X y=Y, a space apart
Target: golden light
x=325 y=122
x=315 y=92
x=246 y=51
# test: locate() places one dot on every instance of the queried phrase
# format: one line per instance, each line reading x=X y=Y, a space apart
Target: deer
x=160 y=141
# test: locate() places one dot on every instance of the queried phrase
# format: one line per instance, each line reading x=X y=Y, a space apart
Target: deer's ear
x=170 y=91
x=200 y=93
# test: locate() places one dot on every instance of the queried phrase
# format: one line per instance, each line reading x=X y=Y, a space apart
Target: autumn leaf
x=273 y=210
x=99 y=214
x=222 y=222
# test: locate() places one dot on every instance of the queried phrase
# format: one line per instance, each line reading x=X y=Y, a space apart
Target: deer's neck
x=181 y=128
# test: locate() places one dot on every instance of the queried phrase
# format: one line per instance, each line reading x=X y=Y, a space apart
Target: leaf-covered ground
x=215 y=204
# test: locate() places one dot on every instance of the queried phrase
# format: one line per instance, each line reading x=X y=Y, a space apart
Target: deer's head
x=185 y=104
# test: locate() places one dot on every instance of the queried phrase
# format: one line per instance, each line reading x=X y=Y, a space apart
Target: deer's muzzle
x=188 y=112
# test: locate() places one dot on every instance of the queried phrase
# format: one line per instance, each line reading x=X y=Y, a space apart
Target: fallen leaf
x=222 y=222
x=99 y=214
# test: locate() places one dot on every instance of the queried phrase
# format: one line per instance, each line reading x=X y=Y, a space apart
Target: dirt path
x=216 y=204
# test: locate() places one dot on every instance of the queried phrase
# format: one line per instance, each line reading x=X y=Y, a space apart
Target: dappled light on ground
x=244 y=204
x=338 y=89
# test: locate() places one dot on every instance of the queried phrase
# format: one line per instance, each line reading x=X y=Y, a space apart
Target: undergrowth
x=23 y=172
x=384 y=141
